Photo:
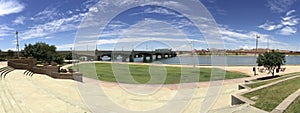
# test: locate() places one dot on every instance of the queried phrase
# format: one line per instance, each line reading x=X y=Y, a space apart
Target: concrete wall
x=236 y=101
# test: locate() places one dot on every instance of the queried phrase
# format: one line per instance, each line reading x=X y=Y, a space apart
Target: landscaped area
x=270 y=97
x=261 y=83
x=294 y=107
x=141 y=73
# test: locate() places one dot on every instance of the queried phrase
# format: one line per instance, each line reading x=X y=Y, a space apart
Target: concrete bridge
x=127 y=55
x=130 y=55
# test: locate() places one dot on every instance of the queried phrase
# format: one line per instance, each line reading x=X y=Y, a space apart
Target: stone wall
x=52 y=71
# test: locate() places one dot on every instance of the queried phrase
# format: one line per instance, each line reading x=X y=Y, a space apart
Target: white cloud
x=93 y=9
x=69 y=12
x=161 y=11
x=290 y=12
x=270 y=26
x=10 y=6
x=19 y=20
x=288 y=30
x=48 y=37
x=56 y=26
x=280 y=6
x=285 y=27
x=5 y=30
x=48 y=14
x=290 y=21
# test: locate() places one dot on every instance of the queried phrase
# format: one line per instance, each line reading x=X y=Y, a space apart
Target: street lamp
x=17 y=43
x=192 y=47
x=257 y=37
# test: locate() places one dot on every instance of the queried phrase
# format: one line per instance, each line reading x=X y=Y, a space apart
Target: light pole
x=192 y=47
x=17 y=43
x=257 y=37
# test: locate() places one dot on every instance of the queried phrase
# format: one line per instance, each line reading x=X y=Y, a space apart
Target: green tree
x=58 y=59
x=10 y=54
x=271 y=60
x=69 y=56
x=42 y=52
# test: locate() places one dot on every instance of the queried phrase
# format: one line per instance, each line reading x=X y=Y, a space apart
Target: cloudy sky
x=56 y=22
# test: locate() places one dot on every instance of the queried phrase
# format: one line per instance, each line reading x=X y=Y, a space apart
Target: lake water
x=207 y=60
x=231 y=60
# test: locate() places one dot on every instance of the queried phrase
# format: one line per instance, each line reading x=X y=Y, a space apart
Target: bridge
x=128 y=55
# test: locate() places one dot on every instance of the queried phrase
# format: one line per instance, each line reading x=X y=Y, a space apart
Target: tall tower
x=17 y=43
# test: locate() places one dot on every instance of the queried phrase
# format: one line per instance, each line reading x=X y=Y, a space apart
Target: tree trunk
x=273 y=72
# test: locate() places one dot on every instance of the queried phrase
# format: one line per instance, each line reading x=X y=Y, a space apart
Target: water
x=206 y=60
x=231 y=60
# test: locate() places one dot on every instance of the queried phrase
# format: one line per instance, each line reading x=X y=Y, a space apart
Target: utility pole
x=17 y=44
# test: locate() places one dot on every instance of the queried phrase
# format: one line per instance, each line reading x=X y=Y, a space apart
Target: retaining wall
x=52 y=71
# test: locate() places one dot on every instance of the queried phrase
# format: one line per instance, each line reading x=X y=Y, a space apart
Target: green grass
x=294 y=107
x=268 y=98
x=141 y=73
x=254 y=85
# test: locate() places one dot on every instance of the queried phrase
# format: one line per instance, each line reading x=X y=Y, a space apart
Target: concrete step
x=41 y=93
x=244 y=108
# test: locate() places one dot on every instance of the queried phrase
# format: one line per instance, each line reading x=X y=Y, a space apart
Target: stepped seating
x=5 y=70
x=28 y=73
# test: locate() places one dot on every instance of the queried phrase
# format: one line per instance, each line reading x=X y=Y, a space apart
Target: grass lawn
x=254 y=85
x=294 y=107
x=268 y=98
x=141 y=73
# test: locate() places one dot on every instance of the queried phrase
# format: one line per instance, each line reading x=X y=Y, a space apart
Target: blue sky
x=56 y=22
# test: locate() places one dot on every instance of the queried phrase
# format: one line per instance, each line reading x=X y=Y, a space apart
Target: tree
x=58 y=59
x=69 y=56
x=271 y=60
x=10 y=54
x=42 y=52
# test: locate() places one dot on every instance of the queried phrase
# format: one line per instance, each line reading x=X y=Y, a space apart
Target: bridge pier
x=159 y=54
x=99 y=58
x=151 y=57
x=144 y=58
x=113 y=58
x=131 y=58
x=123 y=59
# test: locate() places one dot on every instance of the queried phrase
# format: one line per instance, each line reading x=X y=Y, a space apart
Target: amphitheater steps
x=4 y=71
x=39 y=93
